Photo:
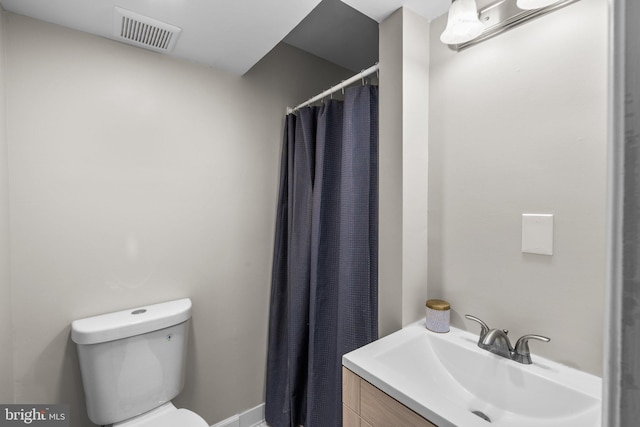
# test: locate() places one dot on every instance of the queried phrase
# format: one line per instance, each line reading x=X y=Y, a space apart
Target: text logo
x=34 y=415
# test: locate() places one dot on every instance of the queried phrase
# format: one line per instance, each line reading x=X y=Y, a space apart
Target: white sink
x=447 y=377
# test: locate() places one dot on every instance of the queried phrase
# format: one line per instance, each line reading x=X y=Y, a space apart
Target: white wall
x=6 y=355
x=518 y=125
x=136 y=178
x=404 y=134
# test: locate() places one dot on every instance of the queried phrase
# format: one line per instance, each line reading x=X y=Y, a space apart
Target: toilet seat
x=166 y=415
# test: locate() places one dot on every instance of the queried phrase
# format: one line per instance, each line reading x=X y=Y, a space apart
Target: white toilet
x=133 y=363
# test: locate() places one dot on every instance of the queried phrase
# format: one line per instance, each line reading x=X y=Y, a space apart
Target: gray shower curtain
x=324 y=291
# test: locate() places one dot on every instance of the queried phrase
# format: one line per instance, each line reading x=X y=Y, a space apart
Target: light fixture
x=468 y=26
x=534 y=4
x=463 y=24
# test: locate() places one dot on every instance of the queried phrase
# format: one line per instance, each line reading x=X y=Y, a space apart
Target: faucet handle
x=484 y=326
x=521 y=351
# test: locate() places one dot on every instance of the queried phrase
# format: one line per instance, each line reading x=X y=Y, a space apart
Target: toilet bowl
x=132 y=364
x=165 y=416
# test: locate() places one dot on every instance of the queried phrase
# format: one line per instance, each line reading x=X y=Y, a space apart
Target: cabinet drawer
x=351 y=390
x=349 y=418
x=380 y=410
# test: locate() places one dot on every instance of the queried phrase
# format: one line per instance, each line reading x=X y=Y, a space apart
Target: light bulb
x=463 y=24
x=534 y=4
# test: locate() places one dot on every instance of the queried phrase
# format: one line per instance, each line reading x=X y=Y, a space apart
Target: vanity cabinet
x=364 y=405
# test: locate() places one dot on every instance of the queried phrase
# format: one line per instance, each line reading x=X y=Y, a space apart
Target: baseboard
x=251 y=418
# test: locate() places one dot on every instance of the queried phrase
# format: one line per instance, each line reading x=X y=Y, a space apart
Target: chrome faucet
x=497 y=342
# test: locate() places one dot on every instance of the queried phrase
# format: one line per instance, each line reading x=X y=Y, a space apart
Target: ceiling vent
x=142 y=31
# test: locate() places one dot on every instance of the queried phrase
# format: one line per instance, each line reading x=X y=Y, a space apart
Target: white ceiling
x=233 y=35
x=378 y=10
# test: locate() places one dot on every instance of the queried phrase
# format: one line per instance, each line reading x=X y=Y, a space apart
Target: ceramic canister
x=438 y=315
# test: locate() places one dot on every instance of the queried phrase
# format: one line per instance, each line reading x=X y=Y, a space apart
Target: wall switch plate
x=537 y=234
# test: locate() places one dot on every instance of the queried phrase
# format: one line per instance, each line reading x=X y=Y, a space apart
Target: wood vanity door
x=382 y=410
x=350 y=399
x=364 y=405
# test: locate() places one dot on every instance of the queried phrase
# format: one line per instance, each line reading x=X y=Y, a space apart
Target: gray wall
x=390 y=182
x=518 y=125
x=622 y=367
x=404 y=143
x=136 y=178
x=630 y=327
x=6 y=354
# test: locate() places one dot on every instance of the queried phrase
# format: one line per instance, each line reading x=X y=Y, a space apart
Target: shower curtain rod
x=361 y=75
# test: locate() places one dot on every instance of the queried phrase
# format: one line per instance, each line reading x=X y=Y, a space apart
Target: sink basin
x=449 y=380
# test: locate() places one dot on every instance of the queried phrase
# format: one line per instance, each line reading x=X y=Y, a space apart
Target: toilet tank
x=133 y=360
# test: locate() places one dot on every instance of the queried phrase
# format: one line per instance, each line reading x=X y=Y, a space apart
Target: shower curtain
x=324 y=291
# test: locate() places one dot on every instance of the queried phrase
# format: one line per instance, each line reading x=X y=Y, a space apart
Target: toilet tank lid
x=127 y=323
